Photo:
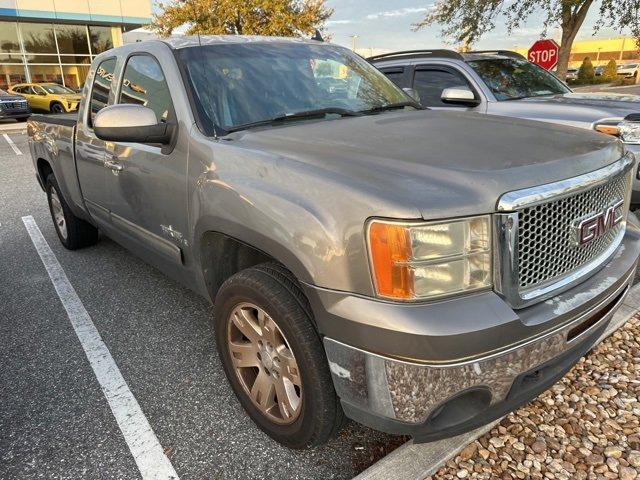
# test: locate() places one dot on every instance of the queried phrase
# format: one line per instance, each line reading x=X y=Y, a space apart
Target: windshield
x=243 y=83
x=510 y=78
x=57 y=89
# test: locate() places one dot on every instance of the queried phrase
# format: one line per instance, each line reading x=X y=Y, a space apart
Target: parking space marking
x=11 y=144
x=142 y=441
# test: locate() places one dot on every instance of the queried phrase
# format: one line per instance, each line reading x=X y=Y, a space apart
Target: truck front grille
x=553 y=236
x=546 y=244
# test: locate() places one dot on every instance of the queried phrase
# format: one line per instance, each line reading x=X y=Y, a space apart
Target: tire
x=271 y=288
x=56 y=107
x=73 y=232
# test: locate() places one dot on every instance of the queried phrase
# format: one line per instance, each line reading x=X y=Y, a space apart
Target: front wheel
x=273 y=357
x=56 y=108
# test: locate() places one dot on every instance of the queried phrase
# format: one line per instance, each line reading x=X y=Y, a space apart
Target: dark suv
x=13 y=106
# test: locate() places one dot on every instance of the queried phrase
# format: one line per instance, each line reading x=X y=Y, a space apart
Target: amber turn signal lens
x=608 y=129
x=390 y=246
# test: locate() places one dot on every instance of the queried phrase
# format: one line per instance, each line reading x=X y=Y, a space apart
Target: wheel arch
x=222 y=255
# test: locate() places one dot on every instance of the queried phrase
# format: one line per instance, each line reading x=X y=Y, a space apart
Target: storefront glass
x=10 y=75
x=50 y=53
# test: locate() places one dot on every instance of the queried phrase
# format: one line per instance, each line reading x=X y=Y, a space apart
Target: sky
x=384 y=25
x=381 y=25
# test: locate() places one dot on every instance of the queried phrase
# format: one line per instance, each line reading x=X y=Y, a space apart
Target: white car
x=629 y=70
x=572 y=74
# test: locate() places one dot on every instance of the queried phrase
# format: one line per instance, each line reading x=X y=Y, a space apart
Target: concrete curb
x=417 y=462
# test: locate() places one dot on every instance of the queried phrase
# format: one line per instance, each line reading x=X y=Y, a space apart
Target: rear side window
x=143 y=83
x=101 y=87
x=431 y=82
x=396 y=75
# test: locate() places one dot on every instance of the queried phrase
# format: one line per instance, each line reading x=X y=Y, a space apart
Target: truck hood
x=576 y=109
x=442 y=163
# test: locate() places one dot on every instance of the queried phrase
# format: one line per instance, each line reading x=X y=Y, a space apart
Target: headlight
x=413 y=261
x=629 y=131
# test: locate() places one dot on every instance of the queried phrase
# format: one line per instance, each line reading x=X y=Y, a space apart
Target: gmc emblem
x=592 y=226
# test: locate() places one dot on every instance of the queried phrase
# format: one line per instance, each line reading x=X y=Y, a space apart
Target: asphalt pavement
x=55 y=421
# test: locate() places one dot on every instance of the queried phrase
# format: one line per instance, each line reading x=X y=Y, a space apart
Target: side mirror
x=459 y=96
x=413 y=93
x=131 y=123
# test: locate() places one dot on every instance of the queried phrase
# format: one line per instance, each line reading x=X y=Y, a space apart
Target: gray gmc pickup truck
x=421 y=272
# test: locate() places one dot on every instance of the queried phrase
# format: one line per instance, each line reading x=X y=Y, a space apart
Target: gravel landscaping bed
x=587 y=426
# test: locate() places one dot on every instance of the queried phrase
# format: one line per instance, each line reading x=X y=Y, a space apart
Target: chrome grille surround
x=536 y=256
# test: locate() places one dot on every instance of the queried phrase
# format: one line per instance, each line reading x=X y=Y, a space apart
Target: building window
x=45 y=73
x=9 y=42
x=11 y=74
x=75 y=76
x=38 y=38
x=72 y=39
x=101 y=39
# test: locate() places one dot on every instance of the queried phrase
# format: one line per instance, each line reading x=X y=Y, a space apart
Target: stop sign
x=544 y=53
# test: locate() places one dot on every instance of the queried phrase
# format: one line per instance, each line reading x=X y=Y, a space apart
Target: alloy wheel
x=264 y=363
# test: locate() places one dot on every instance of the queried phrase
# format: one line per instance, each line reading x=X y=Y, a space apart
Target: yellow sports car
x=50 y=97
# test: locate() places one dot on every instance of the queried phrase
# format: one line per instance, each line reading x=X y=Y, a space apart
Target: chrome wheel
x=58 y=214
x=264 y=363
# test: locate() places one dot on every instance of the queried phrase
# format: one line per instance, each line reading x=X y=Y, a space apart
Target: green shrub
x=586 y=73
x=611 y=70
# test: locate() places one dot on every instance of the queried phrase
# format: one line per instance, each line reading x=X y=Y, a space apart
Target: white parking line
x=142 y=441
x=11 y=144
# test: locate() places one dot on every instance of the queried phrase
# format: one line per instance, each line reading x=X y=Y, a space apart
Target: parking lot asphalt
x=55 y=421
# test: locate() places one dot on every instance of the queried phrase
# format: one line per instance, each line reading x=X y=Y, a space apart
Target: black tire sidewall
x=60 y=108
x=298 y=433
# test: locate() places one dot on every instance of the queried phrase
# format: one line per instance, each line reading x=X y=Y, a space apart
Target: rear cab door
x=90 y=150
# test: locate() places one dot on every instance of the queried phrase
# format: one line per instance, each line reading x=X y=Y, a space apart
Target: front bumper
x=440 y=369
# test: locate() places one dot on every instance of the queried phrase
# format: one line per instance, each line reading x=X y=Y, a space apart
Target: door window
x=431 y=82
x=101 y=87
x=396 y=75
x=143 y=83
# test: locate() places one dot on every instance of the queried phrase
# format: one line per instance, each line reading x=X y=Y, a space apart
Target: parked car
x=13 y=106
x=49 y=97
x=572 y=74
x=628 y=70
x=505 y=83
x=423 y=272
x=599 y=70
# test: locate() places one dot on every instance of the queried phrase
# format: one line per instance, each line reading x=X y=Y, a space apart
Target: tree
x=242 y=17
x=611 y=70
x=467 y=20
x=586 y=73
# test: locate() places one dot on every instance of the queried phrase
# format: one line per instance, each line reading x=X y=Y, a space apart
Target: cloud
x=401 y=12
x=339 y=22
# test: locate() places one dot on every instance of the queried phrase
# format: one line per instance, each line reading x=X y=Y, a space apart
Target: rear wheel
x=273 y=357
x=72 y=231
x=56 y=107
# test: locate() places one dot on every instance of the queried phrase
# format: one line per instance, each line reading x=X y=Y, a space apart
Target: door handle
x=113 y=165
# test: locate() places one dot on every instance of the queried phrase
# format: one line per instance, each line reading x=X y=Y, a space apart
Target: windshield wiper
x=305 y=114
x=393 y=106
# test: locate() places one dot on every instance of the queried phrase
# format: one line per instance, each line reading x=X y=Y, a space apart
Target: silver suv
x=505 y=83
